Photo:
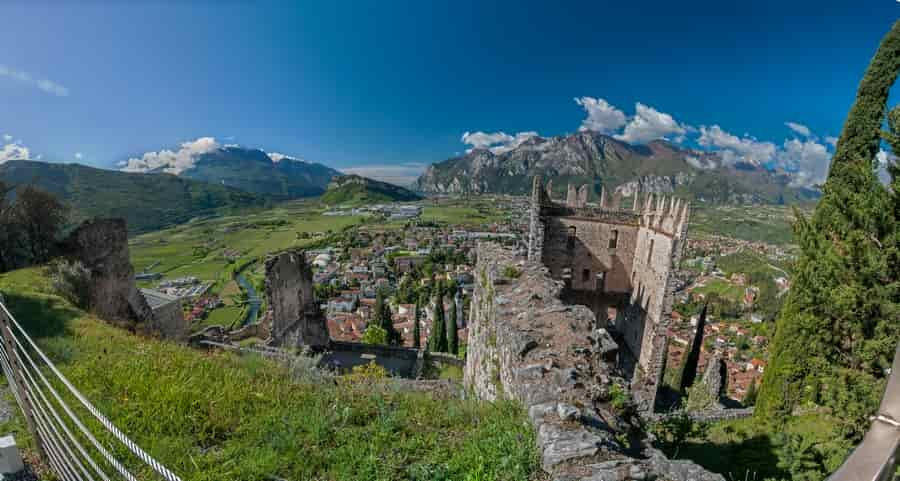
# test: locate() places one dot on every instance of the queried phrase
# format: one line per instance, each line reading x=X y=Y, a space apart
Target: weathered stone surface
x=567 y=412
x=101 y=245
x=561 y=444
x=615 y=260
x=297 y=320
x=557 y=378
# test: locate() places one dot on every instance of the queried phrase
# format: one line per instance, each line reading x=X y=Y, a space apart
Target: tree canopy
x=837 y=333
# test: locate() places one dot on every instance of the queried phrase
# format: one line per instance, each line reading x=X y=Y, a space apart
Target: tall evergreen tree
x=438 y=327
x=838 y=330
x=384 y=319
x=750 y=397
x=417 y=343
x=452 y=335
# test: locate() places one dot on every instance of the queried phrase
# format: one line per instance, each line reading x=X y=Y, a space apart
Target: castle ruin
x=296 y=320
x=620 y=263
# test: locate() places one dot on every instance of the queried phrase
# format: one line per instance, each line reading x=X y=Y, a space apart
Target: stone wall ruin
x=296 y=318
x=525 y=343
x=619 y=263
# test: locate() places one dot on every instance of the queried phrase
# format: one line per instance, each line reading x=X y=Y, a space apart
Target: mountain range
x=604 y=162
x=255 y=171
x=147 y=201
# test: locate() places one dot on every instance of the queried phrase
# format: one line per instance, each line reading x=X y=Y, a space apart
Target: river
x=253 y=300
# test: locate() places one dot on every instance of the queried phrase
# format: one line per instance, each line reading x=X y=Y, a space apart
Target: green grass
x=219 y=416
x=458 y=214
x=722 y=288
x=223 y=316
x=747 y=449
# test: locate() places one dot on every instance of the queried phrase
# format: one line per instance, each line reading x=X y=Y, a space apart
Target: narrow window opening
x=586 y=275
x=570 y=241
x=650 y=252
x=614 y=239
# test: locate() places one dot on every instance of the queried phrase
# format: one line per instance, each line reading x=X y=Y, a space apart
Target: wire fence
x=68 y=439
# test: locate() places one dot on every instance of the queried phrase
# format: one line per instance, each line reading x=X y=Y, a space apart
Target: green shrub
x=511 y=272
x=71 y=280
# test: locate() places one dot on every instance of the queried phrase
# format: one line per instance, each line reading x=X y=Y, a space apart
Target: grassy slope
x=746 y=449
x=217 y=416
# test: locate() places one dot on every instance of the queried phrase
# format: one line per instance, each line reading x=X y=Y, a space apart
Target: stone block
x=10 y=459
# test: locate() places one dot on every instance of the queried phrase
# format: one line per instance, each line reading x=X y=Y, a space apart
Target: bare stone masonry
x=296 y=317
x=619 y=261
x=101 y=245
x=525 y=343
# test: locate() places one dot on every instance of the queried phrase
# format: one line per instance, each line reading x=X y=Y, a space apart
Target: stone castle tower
x=619 y=262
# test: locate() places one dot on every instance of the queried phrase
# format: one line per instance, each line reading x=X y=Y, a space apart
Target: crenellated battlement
x=617 y=257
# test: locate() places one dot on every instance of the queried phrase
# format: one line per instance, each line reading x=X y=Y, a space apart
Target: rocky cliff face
x=599 y=160
x=525 y=344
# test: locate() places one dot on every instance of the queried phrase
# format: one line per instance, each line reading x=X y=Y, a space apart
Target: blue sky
x=394 y=83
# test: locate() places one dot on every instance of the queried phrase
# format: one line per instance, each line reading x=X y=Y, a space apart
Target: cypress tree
x=750 y=397
x=838 y=330
x=382 y=318
x=452 y=335
x=416 y=334
x=438 y=327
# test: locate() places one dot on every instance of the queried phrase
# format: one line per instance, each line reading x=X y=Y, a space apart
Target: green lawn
x=723 y=288
x=219 y=416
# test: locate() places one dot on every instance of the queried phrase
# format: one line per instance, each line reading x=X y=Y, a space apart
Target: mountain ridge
x=148 y=201
x=255 y=171
x=604 y=162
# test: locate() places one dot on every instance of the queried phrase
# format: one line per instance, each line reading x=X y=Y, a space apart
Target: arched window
x=613 y=239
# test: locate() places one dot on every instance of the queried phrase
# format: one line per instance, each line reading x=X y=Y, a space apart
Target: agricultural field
x=766 y=223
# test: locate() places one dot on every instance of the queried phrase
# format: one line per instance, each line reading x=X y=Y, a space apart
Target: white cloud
x=14 y=151
x=79 y=156
x=831 y=140
x=173 y=162
x=650 y=124
x=483 y=140
x=497 y=142
x=601 y=116
x=799 y=128
x=734 y=148
x=46 y=85
x=700 y=162
x=278 y=157
x=807 y=160
x=403 y=174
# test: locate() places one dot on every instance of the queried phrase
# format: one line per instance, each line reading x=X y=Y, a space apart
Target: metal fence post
x=19 y=381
